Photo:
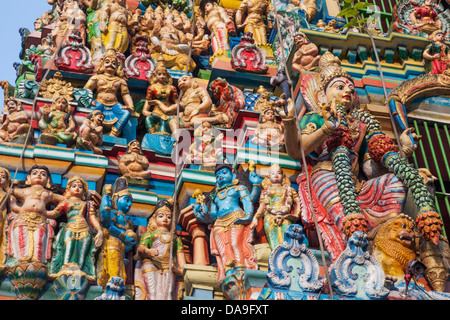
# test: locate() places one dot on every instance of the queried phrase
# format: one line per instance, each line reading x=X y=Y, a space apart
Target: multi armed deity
x=157 y=276
x=342 y=143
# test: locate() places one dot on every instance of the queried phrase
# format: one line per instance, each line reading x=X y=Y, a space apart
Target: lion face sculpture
x=394 y=244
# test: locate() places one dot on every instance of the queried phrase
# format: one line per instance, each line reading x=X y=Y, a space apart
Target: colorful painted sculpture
x=425 y=18
x=231 y=236
x=249 y=17
x=14 y=122
x=216 y=20
x=247 y=57
x=157 y=275
x=306 y=56
x=108 y=82
x=133 y=163
x=230 y=98
x=94 y=34
x=206 y=149
x=196 y=104
x=74 y=55
x=70 y=19
x=91 y=133
x=57 y=124
x=269 y=133
x=5 y=182
x=336 y=139
x=30 y=232
x=172 y=42
x=436 y=54
x=56 y=87
x=140 y=64
x=394 y=245
x=114 y=16
x=119 y=237
x=160 y=105
x=74 y=243
x=279 y=205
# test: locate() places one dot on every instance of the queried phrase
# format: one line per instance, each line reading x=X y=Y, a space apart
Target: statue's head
x=5 y=178
x=186 y=82
x=335 y=82
x=96 y=117
x=224 y=174
x=13 y=105
x=122 y=198
x=160 y=74
x=277 y=176
x=161 y=218
x=61 y=104
x=437 y=36
x=207 y=5
x=76 y=187
x=38 y=175
x=268 y=115
x=110 y=64
x=134 y=146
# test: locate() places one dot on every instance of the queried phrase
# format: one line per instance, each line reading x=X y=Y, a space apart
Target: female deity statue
x=436 y=54
x=160 y=105
x=279 y=205
x=219 y=24
x=5 y=182
x=425 y=18
x=154 y=278
x=228 y=208
x=269 y=134
x=30 y=232
x=348 y=157
x=14 y=122
x=74 y=243
x=57 y=124
x=119 y=237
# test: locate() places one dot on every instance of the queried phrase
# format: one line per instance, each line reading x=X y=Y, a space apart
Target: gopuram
x=228 y=150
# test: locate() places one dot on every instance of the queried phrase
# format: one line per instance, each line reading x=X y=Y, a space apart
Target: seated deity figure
x=57 y=124
x=269 y=133
x=228 y=208
x=133 y=163
x=14 y=122
x=160 y=106
x=425 y=18
x=30 y=231
x=220 y=25
x=91 y=132
x=119 y=237
x=279 y=205
x=366 y=179
x=156 y=277
x=75 y=244
x=109 y=82
x=249 y=17
x=172 y=42
x=71 y=18
x=206 y=149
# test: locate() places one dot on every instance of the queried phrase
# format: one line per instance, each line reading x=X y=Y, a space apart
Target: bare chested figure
x=133 y=163
x=91 y=132
x=114 y=16
x=14 y=122
x=30 y=232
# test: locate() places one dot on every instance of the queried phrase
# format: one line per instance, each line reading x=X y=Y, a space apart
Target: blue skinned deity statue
x=119 y=237
x=229 y=208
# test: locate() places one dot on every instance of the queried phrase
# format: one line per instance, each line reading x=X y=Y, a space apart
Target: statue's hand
x=246 y=220
x=98 y=240
x=254 y=178
x=290 y=109
x=409 y=140
x=129 y=241
x=103 y=28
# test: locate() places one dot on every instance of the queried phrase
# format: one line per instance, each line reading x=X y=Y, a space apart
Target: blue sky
x=15 y=14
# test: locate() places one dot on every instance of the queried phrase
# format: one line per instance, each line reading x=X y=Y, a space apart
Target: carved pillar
x=198 y=232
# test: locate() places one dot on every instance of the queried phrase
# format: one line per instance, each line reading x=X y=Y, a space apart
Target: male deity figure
x=114 y=16
x=253 y=10
x=134 y=164
x=30 y=232
x=109 y=82
x=14 y=123
x=229 y=209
